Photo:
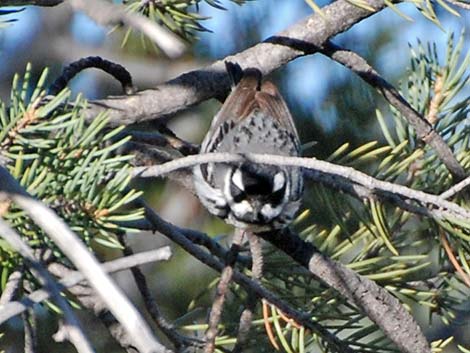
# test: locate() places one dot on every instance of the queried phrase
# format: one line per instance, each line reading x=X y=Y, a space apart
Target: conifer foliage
x=79 y=166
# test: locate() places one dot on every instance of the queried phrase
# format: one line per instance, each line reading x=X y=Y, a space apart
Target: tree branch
x=72 y=278
x=222 y=291
x=302 y=318
x=150 y=303
x=74 y=249
x=379 y=305
x=117 y=71
x=45 y=3
x=373 y=300
x=30 y=331
x=10 y=291
x=455 y=189
x=212 y=81
x=423 y=128
x=108 y=14
x=75 y=332
x=342 y=178
x=246 y=316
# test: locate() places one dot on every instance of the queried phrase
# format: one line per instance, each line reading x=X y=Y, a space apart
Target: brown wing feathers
x=250 y=93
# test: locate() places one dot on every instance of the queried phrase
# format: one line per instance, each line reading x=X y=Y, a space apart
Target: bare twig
x=151 y=305
x=45 y=3
x=196 y=237
x=71 y=278
x=108 y=14
x=145 y=154
x=246 y=316
x=302 y=318
x=455 y=189
x=339 y=177
x=117 y=71
x=30 y=331
x=85 y=262
x=74 y=330
x=12 y=286
x=461 y=4
x=221 y=291
x=91 y=301
x=256 y=250
x=212 y=81
x=424 y=128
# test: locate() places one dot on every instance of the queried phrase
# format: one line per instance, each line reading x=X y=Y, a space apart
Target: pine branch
x=339 y=177
x=70 y=278
x=74 y=331
x=374 y=301
x=80 y=256
x=302 y=318
x=423 y=128
x=196 y=86
x=382 y=308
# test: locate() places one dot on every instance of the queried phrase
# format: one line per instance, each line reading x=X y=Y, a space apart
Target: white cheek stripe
x=269 y=212
x=279 y=181
x=226 y=190
x=241 y=209
x=237 y=179
x=203 y=189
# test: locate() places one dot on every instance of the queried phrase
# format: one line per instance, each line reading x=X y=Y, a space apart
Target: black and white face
x=256 y=194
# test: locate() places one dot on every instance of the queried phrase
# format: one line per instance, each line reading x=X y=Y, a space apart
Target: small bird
x=253 y=119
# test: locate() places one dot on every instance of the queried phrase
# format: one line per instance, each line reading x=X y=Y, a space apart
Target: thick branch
x=199 y=85
x=381 y=307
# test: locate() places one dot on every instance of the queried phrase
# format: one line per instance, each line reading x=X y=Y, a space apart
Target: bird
x=253 y=119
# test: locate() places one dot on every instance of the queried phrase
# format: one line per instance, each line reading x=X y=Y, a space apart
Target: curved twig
x=212 y=81
x=339 y=177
